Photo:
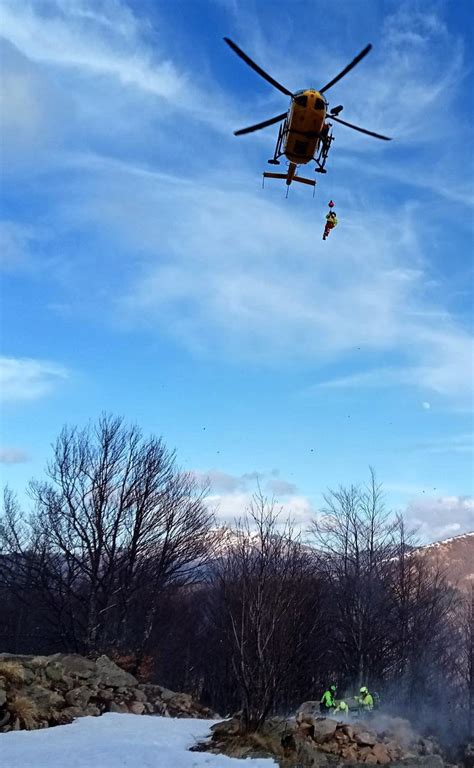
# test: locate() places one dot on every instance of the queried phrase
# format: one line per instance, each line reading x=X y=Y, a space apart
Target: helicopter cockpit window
x=302 y=101
x=319 y=104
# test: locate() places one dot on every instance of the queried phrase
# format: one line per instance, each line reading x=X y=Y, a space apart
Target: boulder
x=310 y=708
x=45 y=699
x=136 y=707
x=77 y=666
x=54 y=671
x=139 y=695
x=380 y=752
x=78 y=697
x=307 y=754
x=110 y=675
x=70 y=713
x=365 y=738
x=105 y=694
x=324 y=729
x=225 y=729
x=116 y=707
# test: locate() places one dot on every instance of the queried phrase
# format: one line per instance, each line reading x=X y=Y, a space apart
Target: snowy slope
x=116 y=741
x=455 y=556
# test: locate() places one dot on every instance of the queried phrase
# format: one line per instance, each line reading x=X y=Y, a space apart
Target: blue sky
x=145 y=272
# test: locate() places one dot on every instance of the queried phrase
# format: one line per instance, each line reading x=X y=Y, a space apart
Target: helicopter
x=305 y=133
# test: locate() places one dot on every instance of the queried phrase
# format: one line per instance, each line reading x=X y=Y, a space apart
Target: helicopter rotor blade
x=361 y=130
x=347 y=69
x=256 y=68
x=258 y=126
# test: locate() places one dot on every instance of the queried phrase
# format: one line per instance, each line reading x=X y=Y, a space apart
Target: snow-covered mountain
x=456 y=557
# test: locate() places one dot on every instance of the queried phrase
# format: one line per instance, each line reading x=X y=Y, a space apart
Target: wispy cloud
x=28 y=379
x=459 y=443
x=224 y=483
x=92 y=43
x=13 y=456
x=15 y=245
x=445 y=364
x=74 y=35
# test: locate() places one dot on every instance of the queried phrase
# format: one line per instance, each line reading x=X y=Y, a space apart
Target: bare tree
x=264 y=594
x=353 y=539
x=113 y=525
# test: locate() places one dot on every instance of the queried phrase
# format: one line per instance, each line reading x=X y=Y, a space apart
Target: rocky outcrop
x=40 y=691
x=312 y=741
x=379 y=741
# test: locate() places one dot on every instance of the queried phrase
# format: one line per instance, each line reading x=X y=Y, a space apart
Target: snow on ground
x=117 y=741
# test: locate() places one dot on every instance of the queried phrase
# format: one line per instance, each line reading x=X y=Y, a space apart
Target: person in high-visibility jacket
x=328 y=703
x=331 y=222
x=341 y=708
x=365 y=700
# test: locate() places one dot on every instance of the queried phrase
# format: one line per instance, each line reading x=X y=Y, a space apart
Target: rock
x=225 y=729
x=54 y=671
x=120 y=708
x=111 y=675
x=70 y=713
x=78 y=697
x=310 y=708
x=165 y=694
x=381 y=754
x=105 y=694
x=65 y=684
x=3 y=696
x=37 y=662
x=139 y=695
x=324 y=729
x=77 y=666
x=45 y=699
x=348 y=730
x=307 y=754
x=136 y=707
x=92 y=711
x=364 y=738
x=306 y=729
x=349 y=753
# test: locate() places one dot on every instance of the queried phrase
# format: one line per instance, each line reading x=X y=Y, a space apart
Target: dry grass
x=12 y=671
x=26 y=711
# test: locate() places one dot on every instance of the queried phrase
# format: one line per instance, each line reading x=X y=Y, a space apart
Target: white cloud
x=28 y=379
x=13 y=456
x=442 y=517
x=232 y=506
x=425 y=405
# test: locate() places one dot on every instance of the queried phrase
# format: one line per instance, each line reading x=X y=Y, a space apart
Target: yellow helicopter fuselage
x=305 y=122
